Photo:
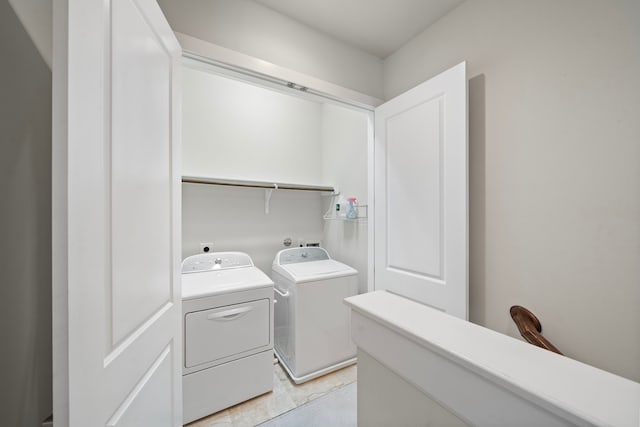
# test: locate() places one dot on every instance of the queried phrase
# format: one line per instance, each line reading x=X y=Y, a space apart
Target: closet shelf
x=267 y=185
x=363 y=214
x=347 y=219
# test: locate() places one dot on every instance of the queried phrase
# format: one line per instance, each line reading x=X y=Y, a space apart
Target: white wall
x=25 y=218
x=253 y=29
x=554 y=165
x=344 y=163
x=236 y=130
x=233 y=129
x=233 y=219
x=386 y=399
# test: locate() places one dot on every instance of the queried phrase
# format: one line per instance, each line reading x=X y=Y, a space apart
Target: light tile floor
x=335 y=409
x=286 y=395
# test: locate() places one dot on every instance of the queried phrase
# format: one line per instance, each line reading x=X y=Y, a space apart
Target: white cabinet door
x=421 y=245
x=116 y=209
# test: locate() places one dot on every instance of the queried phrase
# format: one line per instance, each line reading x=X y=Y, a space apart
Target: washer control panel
x=306 y=254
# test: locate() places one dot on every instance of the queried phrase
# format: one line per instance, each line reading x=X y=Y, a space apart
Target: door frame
x=59 y=214
x=253 y=69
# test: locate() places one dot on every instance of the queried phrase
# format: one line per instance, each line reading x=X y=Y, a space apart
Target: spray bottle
x=352 y=208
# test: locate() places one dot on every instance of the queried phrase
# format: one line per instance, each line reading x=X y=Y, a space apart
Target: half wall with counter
x=417 y=365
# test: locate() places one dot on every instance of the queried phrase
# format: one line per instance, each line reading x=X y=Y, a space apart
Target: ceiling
x=379 y=27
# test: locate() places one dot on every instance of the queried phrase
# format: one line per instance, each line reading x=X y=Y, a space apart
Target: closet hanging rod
x=256 y=184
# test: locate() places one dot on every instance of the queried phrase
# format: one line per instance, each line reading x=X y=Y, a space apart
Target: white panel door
x=420 y=181
x=117 y=306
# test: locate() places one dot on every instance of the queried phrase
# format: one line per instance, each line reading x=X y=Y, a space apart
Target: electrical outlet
x=205 y=248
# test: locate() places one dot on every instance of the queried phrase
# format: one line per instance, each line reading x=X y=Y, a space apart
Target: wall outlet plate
x=205 y=248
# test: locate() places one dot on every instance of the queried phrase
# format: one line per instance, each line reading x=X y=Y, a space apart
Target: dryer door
x=225 y=331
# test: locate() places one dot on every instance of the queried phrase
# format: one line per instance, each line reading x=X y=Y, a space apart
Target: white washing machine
x=312 y=324
x=227 y=313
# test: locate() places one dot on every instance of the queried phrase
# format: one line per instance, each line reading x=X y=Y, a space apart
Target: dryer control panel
x=216 y=261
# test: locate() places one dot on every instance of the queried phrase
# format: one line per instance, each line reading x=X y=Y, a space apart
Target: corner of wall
x=253 y=29
x=25 y=247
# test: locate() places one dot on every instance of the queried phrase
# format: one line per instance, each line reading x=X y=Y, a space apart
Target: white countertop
x=592 y=395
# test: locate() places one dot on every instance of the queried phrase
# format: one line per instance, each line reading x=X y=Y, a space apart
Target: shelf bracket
x=267 y=198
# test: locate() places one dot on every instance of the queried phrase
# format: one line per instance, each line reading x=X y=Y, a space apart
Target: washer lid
x=314 y=270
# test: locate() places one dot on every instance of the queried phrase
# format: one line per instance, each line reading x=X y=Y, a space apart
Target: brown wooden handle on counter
x=530 y=328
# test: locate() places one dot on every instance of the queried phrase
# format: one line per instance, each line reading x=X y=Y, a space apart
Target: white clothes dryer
x=228 y=332
x=312 y=324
